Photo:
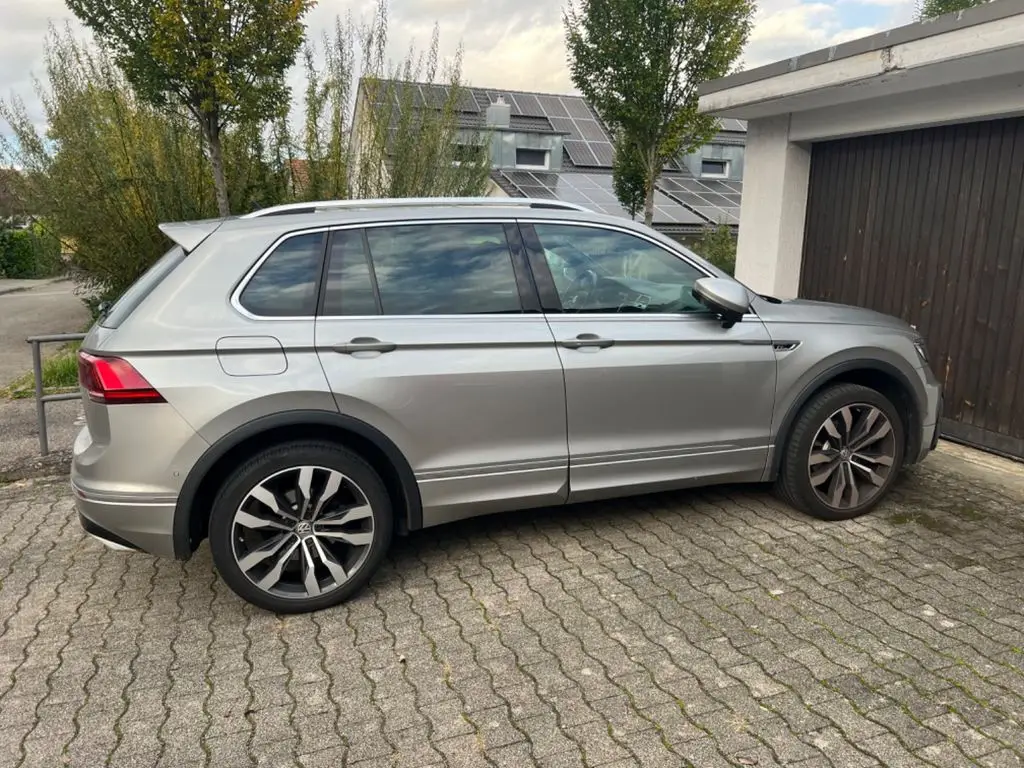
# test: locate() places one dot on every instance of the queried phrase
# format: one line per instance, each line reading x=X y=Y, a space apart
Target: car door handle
x=365 y=344
x=587 y=340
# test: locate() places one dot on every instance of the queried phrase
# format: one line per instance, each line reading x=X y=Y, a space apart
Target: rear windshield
x=142 y=287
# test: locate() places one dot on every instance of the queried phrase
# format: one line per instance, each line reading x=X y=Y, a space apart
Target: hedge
x=29 y=253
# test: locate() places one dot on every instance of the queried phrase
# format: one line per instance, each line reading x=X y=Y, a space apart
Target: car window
x=141 y=288
x=285 y=285
x=443 y=269
x=349 y=279
x=603 y=270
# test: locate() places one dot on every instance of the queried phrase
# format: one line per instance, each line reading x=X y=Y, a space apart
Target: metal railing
x=37 y=371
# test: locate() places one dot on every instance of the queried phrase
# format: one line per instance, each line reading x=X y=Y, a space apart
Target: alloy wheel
x=852 y=456
x=302 y=532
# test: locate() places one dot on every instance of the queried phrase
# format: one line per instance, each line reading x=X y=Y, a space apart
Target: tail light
x=111 y=380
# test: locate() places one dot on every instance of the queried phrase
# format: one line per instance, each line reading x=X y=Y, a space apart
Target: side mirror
x=726 y=298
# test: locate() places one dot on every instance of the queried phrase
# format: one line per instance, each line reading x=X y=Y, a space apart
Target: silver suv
x=302 y=383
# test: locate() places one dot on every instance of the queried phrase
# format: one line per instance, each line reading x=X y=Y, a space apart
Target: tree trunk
x=652 y=176
x=211 y=131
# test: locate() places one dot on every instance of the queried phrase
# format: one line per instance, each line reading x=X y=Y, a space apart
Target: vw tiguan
x=299 y=384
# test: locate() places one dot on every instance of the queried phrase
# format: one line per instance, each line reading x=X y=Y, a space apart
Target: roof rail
x=414 y=202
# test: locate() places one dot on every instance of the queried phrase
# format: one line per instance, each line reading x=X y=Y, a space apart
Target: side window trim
x=372 y=270
x=528 y=296
x=240 y=286
x=324 y=282
x=551 y=302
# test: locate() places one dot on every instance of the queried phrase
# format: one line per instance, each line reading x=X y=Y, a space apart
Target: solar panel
x=732 y=124
x=712 y=186
x=539 y=192
x=580 y=153
x=480 y=99
x=591 y=130
x=563 y=125
x=528 y=105
x=577 y=107
x=604 y=152
x=521 y=177
x=552 y=106
x=699 y=195
x=595 y=191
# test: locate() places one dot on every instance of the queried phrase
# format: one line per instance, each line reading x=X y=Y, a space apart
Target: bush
x=29 y=253
x=718 y=245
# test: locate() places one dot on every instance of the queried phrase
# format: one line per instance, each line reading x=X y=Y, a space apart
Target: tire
x=286 y=553
x=814 y=452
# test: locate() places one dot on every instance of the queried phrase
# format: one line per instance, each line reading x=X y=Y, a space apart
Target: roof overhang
x=981 y=43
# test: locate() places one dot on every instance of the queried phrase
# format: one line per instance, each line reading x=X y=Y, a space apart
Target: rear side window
x=142 y=287
x=443 y=269
x=285 y=285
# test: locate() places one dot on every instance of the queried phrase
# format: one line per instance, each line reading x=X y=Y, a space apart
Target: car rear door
x=658 y=393
x=431 y=332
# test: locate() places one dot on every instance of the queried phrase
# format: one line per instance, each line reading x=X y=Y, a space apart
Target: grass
x=60 y=373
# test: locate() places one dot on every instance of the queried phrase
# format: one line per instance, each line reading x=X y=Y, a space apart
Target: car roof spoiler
x=189 y=234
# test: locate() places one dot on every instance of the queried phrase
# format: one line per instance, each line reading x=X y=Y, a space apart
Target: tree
x=929 y=9
x=639 y=63
x=108 y=166
x=223 y=61
x=628 y=178
x=718 y=245
x=12 y=207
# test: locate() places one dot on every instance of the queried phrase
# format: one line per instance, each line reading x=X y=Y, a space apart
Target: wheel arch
x=878 y=375
x=193 y=508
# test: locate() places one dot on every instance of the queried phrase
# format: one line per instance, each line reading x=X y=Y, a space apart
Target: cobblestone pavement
x=709 y=629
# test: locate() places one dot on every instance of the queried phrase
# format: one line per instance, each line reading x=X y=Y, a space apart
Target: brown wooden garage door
x=928 y=225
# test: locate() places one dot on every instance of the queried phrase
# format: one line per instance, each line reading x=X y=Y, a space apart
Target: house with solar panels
x=556 y=147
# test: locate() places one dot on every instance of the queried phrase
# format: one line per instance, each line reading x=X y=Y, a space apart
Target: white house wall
x=776 y=175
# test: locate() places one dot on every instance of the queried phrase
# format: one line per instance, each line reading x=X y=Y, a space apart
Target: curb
x=36 y=284
x=56 y=465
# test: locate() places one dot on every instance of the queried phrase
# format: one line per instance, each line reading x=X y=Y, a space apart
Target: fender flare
x=823 y=378
x=190 y=487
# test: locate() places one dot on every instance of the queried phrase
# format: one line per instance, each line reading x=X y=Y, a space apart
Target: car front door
x=658 y=393
x=432 y=333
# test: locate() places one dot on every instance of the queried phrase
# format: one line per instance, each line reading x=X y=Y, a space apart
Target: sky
x=513 y=44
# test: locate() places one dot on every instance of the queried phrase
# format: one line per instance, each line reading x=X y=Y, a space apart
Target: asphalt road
x=36 y=307
x=46 y=307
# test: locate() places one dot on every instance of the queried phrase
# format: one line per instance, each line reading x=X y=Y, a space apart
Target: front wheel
x=843 y=454
x=300 y=527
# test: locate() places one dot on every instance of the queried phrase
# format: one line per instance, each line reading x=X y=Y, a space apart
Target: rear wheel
x=300 y=527
x=843 y=454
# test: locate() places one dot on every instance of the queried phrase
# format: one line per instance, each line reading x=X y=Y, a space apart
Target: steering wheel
x=581 y=288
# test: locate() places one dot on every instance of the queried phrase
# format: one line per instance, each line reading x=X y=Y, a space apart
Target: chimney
x=499 y=114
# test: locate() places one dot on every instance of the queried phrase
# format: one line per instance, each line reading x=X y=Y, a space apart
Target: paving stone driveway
x=707 y=629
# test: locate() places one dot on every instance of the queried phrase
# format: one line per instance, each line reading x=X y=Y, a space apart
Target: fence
x=37 y=371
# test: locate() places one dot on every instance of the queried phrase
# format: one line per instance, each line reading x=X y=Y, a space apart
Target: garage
x=927 y=225
x=888 y=173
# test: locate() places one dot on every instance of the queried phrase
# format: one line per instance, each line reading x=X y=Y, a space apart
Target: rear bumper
x=127 y=523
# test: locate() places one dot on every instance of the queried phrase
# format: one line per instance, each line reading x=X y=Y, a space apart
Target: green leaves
x=223 y=61
x=718 y=245
x=629 y=174
x=929 y=9
x=639 y=62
